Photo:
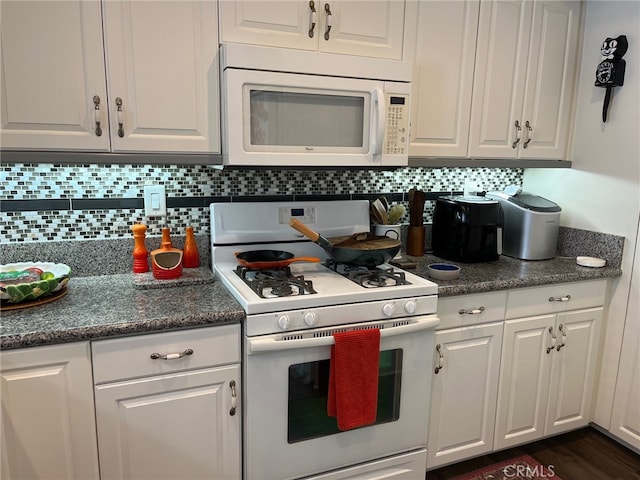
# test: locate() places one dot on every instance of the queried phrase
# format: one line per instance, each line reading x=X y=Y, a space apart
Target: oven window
x=289 y=119
x=308 y=385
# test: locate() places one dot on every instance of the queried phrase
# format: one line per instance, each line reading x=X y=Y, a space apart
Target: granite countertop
x=507 y=273
x=113 y=305
x=104 y=306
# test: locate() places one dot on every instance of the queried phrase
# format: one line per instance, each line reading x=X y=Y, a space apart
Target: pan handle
x=310 y=234
x=303 y=229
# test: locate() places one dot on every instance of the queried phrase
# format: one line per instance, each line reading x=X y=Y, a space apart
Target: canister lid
x=476 y=200
x=534 y=203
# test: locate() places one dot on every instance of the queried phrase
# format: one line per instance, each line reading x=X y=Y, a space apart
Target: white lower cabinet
x=512 y=367
x=548 y=363
x=180 y=417
x=463 y=393
x=48 y=425
x=464 y=382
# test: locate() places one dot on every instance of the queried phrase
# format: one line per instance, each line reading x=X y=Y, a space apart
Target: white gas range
x=292 y=314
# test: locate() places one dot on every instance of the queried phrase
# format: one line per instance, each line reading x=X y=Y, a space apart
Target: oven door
x=288 y=433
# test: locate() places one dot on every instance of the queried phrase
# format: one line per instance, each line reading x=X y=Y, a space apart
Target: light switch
x=155 y=204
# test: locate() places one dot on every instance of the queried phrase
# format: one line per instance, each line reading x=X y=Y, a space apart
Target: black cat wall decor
x=610 y=72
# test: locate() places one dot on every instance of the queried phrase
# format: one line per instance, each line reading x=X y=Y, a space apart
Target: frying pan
x=269 y=259
x=361 y=249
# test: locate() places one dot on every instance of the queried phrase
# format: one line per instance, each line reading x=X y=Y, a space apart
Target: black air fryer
x=467 y=229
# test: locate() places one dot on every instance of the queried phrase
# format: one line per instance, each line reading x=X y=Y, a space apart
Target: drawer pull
x=171 y=356
x=327 y=10
x=566 y=298
x=234 y=397
x=553 y=340
x=96 y=113
x=563 y=337
x=529 y=134
x=518 y=133
x=474 y=311
x=440 y=359
x=312 y=18
x=119 y=115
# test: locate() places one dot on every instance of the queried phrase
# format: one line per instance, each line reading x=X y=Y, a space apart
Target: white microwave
x=283 y=107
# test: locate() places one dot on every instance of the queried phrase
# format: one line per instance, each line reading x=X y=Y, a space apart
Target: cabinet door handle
x=96 y=114
x=529 y=134
x=518 y=134
x=171 y=356
x=553 y=340
x=566 y=298
x=563 y=338
x=234 y=398
x=120 y=114
x=327 y=9
x=312 y=18
x=474 y=311
x=440 y=365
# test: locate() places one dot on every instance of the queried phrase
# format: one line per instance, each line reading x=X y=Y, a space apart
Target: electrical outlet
x=155 y=203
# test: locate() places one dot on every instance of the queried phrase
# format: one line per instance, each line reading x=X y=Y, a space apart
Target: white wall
x=602 y=190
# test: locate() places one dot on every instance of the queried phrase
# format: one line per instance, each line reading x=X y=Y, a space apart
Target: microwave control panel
x=396 y=137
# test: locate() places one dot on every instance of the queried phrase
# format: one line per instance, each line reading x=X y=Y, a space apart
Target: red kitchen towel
x=353 y=378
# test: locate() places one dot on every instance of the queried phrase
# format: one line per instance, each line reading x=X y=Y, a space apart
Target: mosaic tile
x=56 y=182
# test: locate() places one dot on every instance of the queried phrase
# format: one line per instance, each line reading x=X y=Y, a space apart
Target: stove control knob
x=310 y=318
x=388 y=309
x=284 y=322
x=410 y=306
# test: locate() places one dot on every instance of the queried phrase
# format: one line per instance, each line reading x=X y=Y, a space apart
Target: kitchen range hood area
x=119 y=350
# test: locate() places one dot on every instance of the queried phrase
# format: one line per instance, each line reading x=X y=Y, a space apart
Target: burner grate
x=369 y=277
x=275 y=283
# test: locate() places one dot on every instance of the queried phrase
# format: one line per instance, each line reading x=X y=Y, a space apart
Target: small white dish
x=443 y=271
x=591 y=262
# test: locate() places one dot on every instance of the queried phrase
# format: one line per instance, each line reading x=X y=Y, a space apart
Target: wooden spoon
x=380 y=211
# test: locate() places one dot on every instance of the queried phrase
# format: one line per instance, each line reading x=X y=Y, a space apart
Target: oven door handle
x=276 y=342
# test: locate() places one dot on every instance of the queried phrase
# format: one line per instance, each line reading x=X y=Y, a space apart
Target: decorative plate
x=28 y=281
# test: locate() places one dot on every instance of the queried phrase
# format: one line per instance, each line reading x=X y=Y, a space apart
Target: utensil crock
x=166 y=263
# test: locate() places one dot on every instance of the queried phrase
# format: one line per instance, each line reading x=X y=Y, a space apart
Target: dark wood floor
x=584 y=454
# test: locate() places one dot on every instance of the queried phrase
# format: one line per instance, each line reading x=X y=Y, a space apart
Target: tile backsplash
x=51 y=202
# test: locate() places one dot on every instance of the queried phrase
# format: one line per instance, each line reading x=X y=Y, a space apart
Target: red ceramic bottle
x=190 y=256
x=166 y=238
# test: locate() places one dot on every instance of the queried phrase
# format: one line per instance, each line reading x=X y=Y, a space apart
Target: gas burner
x=344 y=268
x=275 y=283
x=369 y=277
x=377 y=277
x=249 y=274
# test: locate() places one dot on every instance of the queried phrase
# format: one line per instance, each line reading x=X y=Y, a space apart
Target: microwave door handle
x=272 y=344
x=377 y=138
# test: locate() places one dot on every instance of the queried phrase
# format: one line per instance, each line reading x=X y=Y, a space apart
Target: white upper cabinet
x=523 y=86
x=157 y=92
x=444 y=53
x=370 y=29
x=51 y=68
x=162 y=75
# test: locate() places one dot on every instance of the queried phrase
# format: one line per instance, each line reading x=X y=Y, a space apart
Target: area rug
x=519 y=468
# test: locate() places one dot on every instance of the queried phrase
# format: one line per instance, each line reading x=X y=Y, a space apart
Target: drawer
x=556 y=298
x=472 y=309
x=130 y=357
